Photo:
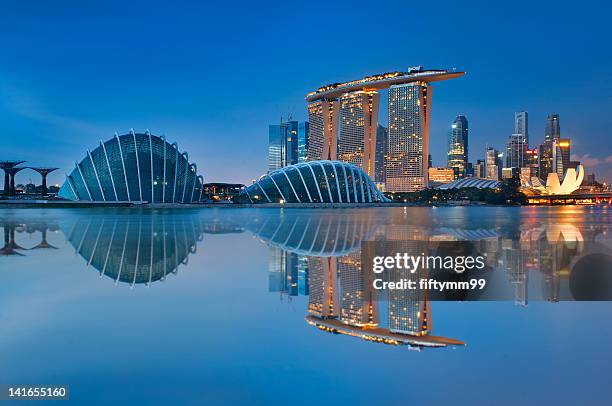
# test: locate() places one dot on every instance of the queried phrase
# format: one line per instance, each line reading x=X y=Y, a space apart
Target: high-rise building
x=282 y=144
x=358 y=119
x=382 y=142
x=493 y=163
x=409 y=114
x=303 y=141
x=323 y=130
x=515 y=151
x=343 y=120
x=561 y=157
x=458 y=146
x=521 y=125
x=552 y=132
x=479 y=169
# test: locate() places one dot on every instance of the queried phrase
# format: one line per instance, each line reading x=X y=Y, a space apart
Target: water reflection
x=136 y=249
x=317 y=254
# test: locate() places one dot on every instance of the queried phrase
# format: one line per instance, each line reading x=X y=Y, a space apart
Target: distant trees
x=507 y=194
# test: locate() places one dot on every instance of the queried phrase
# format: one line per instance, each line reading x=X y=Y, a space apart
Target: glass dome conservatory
x=314 y=182
x=134 y=167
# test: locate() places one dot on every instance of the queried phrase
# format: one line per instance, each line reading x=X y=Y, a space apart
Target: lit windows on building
x=457 y=156
x=561 y=156
x=441 y=175
x=409 y=112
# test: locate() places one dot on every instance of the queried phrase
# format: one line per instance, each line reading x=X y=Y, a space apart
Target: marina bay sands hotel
x=343 y=121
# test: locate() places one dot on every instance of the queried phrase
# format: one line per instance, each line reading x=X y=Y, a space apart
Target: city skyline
x=93 y=85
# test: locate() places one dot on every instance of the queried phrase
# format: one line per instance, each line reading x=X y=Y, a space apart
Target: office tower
x=521 y=121
x=276 y=147
x=382 y=138
x=532 y=161
x=493 y=164
x=552 y=132
x=303 y=141
x=282 y=145
x=561 y=156
x=458 y=146
x=515 y=151
x=409 y=113
x=479 y=169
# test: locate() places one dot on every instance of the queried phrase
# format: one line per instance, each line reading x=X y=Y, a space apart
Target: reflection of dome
x=328 y=235
x=314 y=182
x=134 y=167
x=133 y=248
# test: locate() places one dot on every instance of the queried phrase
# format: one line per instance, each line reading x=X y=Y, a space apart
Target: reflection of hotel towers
x=409 y=310
x=136 y=249
x=358 y=302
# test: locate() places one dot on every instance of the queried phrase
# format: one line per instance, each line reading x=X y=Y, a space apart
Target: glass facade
x=136 y=167
x=314 y=182
x=457 y=156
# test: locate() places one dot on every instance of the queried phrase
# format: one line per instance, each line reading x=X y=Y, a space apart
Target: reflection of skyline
x=339 y=301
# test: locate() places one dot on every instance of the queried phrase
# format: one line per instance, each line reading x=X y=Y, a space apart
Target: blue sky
x=212 y=77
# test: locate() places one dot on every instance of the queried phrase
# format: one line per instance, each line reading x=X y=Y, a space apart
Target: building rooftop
x=382 y=81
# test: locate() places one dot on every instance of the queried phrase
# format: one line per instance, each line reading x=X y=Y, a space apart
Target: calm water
x=209 y=307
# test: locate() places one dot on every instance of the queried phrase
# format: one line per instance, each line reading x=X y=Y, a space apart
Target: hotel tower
x=343 y=120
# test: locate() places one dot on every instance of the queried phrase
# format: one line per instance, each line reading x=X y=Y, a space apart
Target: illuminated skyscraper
x=323 y=130
x=343 y=119
x=561 y=156
x=409 y=113
x=493 y=163
x=458 y=146
x=382 y=143
x=516 y=150
x=357 y=129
